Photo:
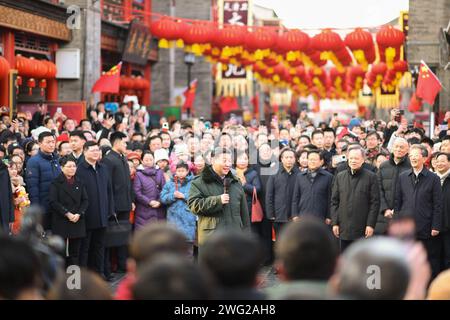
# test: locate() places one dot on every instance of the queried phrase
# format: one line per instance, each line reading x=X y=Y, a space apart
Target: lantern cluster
x=291 y=58
x=37 y=72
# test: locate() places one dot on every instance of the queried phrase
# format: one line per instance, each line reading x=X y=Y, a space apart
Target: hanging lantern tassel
x=43 y=86
x=361 y=58
x=31 y=84
x=390 y=56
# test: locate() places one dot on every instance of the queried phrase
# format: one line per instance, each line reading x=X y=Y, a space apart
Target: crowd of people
x=300 y=196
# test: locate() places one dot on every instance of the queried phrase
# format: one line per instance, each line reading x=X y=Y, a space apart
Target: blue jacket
x=422 y=199
x=100 y=194
x=178 y=212
x=42 y=169
x=312 y=198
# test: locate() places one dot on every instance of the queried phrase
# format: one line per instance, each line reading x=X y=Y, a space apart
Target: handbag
x=257 y=211
x=117 y=233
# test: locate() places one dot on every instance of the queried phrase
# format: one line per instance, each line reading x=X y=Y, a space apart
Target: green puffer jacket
x=204 y=201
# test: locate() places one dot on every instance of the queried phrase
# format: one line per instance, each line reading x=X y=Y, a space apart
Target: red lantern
x=260 y=41
x=4 y=67
x=230 y=36
x=166 y=29
x=31 y=83
x=388 y=36
x=198 y=33
x=389 y=42
x=327 y=40
x=379 y=68
x=401 y=66
x=292 y=40
x=50 y=69
x=359 y=40
x=40 y=69
x=23 y=66
x=43 y=86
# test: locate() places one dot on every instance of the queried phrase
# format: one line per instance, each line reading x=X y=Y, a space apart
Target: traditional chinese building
x=31 y=33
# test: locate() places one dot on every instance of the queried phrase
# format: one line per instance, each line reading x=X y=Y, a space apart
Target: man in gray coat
x=355 y=200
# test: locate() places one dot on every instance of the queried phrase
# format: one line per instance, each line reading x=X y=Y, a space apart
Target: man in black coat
x=419 y=194
x=280 y=189
x=443 y=172
x=312 y=191
x=355 y=200
x=96 y=178
x=119 y=171
x=6 y=199
x=387 y=180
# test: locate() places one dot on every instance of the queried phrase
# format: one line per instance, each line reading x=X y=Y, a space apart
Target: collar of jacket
x=51 y=156
x=356 y=172
x=87 y=165
x=424 y=171
x=294 y=169
x=319 y=171
x=209 y=175
x=62 y=178
x=443 y=176
x=391 y=160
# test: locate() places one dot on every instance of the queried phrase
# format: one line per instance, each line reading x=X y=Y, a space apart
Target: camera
x=49 y=248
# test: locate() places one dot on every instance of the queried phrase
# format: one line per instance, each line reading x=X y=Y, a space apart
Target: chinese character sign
x=235 y=12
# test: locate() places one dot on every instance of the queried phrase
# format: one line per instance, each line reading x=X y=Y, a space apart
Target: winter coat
x=64 y=198
x=178 y=212
x=252 y=182
x=205 y=202
x=100 y=194
x=147 y=186
x=42 y=169
x=423 y=200
x=312 y=198
x=387 y=181
x=280 y=189
x=6 y=199
x=119 y=171
x=355 y=202
x=446 y=205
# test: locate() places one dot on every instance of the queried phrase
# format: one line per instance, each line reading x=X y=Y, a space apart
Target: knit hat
x=133 y=155
x=353 y=123
x=36 y=132
x=440 y=287
x=181 y=149
x=161 y=154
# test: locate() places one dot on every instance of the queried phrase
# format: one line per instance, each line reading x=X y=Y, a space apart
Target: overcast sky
x=312 y=14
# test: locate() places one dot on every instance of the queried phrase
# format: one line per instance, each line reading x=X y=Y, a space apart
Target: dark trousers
x=445 y=255
x=122 y=252
x=278 y=227
x=433 y=246
x=92 y=251
x=263 y=230
x=73 y=250
x=344 y=244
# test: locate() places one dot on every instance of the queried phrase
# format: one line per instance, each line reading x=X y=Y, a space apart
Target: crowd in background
x=313 y=189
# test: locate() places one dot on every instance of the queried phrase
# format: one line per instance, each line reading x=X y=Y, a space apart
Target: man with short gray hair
x=373 y=269
x=419 y=194
x=355 y=200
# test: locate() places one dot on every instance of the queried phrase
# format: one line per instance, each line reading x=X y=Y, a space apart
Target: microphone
x=226 y=185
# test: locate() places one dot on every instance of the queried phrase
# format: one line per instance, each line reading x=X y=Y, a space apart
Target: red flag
x=415 y=104
x=428 y=85
x=228 y=104
x=255 y=103
x=109 y=81
x=189 y=95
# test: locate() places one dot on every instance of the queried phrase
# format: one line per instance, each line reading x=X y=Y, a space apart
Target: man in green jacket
x=215 y=208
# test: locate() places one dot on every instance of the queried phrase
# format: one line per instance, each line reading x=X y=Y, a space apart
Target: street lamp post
x=189 y=60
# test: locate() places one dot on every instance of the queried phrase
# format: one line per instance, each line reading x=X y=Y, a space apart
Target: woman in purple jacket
x=147 y=185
